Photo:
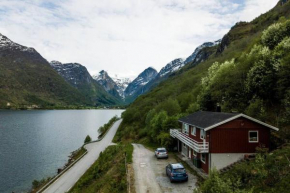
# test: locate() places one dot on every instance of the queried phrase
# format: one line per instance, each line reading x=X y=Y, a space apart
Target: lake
x=33 y=144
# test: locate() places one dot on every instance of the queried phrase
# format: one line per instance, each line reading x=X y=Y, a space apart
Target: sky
x=122 y=37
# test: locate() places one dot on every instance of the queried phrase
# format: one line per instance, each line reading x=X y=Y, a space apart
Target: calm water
x=33 y=144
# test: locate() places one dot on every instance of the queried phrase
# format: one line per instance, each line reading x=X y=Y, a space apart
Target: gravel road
x=150 y=174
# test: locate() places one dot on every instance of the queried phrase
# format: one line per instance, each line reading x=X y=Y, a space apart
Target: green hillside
x=27 y=79
x=248 y=73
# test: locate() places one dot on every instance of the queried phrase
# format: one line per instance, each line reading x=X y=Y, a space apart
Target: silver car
x=161 y=153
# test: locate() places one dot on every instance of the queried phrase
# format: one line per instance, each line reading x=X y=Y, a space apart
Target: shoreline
x=38 y=109
x=71 y=161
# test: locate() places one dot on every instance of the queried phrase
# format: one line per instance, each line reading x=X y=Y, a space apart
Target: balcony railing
x=200 y=147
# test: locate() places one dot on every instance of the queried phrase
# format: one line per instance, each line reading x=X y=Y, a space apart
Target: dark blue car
x=176 y=172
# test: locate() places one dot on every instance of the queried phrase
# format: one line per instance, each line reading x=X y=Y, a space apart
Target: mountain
x=163 y=74
x=108 y=84
x=171 y=67
x=146 y=76
x=7 y=44
x=201 y=53
x=248 y=72
x=122 y=84
x=27 y=79
x=196 y=56
x=79 y=77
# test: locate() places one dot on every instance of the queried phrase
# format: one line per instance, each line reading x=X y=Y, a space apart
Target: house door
x=184 y=150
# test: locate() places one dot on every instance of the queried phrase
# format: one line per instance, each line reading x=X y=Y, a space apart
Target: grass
x=108 y=173
x=78 y=153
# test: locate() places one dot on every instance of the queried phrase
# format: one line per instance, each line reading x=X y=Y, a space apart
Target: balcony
x=199 y=147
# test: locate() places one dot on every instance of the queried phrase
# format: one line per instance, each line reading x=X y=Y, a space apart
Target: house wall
x=204 y=166
x=185 y=149
x=197 y=136
x=232 y=137
x=221 y=160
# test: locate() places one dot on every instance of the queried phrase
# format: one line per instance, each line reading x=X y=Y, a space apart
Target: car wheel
x=171 y=181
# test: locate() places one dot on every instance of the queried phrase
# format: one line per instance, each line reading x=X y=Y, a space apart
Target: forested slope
x=248 y=73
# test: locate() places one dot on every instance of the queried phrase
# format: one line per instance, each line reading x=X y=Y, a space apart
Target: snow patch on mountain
x=146 y=76
x=6 y=43
x=122 y=84
x=172 y=67
x=74 y=73
x=199 y=48
x=116 y=83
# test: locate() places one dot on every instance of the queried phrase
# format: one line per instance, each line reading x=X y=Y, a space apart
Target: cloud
x=122 y=37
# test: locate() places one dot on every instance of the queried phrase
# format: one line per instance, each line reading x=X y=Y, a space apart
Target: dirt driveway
x=150 y=174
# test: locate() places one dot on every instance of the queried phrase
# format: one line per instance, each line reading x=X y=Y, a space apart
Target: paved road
x=69 y=178
x=150 y=174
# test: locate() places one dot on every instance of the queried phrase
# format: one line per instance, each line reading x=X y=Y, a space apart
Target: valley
x=220 y=114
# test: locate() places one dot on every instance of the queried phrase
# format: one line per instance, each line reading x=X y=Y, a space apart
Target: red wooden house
x=217 y=139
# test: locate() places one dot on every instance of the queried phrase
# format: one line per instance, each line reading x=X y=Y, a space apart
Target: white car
x=161 y=153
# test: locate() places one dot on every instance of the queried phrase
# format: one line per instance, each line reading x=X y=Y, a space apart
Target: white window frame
x=202 y=131
x=193 y=129
x=194 y=153
x=257 y=137
x=203 y=161
x=185 y=128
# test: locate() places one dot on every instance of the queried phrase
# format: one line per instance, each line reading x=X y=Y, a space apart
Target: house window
x=194 y=153
x=202 y=134
x=193 y=131
x=185 y=129
x=203 y=157
x=253 y=136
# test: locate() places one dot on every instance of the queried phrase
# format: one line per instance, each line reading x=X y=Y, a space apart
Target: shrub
x=273 y=35
x=261 y=79
x=216 y=184
x=171 y=106
x=88 y=139
x=193 y=107
x=103 y=129
x=282 y=48
x=256 y=109
x=164 y=139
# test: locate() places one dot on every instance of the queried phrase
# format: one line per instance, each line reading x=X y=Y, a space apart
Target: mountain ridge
x=108 y=84
x=27 y=79
x=78 y=76
x=142 y=79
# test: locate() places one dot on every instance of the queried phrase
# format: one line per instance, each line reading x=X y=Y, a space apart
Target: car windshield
x=179 y=170
x=162 y=150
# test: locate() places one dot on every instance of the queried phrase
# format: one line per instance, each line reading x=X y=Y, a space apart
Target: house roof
x=207 y=120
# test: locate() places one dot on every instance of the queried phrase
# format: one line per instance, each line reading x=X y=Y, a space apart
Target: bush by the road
x=102 y=130
x=88 y=139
